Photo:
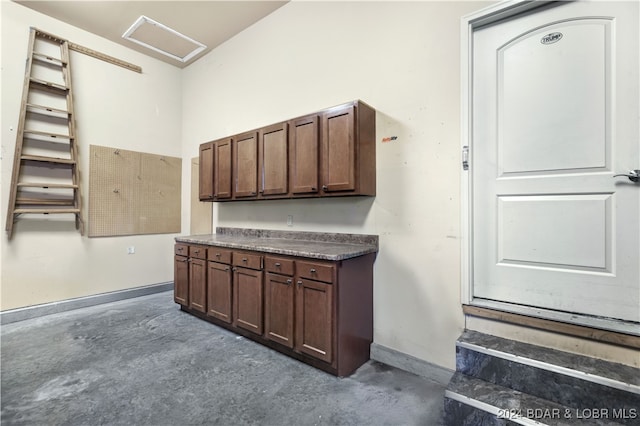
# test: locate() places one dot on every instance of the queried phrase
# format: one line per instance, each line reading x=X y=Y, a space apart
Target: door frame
x=469 y=24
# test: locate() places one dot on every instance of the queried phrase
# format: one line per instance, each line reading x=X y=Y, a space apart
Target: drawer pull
x=235 y=269
x=226 y=269
x=289 y=281
x=180 y=248
x=196 y=251
x=244 y=259
x=299 y=282
x=277 y=264
x=312 y=271
x=217 y=254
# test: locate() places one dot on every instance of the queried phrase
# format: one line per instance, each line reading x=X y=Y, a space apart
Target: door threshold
x=618 y=332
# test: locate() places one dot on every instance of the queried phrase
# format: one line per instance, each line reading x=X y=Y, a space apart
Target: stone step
x=568 y=379
x=472 y=401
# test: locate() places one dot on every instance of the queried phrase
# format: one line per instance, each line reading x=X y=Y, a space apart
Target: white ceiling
x=210 y=22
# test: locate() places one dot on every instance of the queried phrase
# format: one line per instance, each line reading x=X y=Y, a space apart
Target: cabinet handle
x=226 y=269
x=196 y=251
x=299 y=282
x=218 y=255
x=235 y=269
x=180 y=248
x=324 y=187
x=277 y=264
x=289 y=281
x=312 y=271
x=313 y=188
x=244 y=259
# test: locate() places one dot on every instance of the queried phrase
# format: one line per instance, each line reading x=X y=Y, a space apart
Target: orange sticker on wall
x=389 y=139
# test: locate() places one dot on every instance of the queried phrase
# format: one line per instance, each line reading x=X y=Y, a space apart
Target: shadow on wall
x=308 y=214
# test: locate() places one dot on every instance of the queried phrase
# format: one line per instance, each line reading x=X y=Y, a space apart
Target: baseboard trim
x=21 y=314
x=411 y=364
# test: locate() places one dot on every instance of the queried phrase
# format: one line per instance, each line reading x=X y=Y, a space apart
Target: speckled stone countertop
x=316 y=245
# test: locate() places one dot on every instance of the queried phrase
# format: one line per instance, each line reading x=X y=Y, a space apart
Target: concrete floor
x=144 y=362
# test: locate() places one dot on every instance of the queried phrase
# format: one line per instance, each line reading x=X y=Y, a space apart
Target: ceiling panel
x=208 y=22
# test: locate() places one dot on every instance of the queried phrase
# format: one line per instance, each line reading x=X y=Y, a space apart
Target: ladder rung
x=46 y=211
x=46 y=185
x=41 y=109
x=49 y=59
x=48 y=159
x=45 y=201
x=48 y=135
x=49 y=85
x=43 y=34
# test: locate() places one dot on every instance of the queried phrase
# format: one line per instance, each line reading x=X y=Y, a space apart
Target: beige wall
x=401 y=58
x=48 y=260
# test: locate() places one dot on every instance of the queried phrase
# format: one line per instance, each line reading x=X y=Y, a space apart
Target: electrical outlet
x=131 y=250
x=290 y=220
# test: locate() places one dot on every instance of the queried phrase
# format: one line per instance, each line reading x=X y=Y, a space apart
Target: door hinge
x=465 y=157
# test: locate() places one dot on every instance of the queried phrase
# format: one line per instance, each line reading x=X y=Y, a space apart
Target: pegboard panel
x=133 y=193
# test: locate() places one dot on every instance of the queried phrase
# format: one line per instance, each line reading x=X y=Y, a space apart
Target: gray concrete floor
x=144 y=362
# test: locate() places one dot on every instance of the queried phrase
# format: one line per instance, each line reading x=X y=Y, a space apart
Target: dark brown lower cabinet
x=198 y=285
x=314 y=317
x=279 y=308
x=247 y=299
x=181 y=280
x=219 y=291
x=319 y=312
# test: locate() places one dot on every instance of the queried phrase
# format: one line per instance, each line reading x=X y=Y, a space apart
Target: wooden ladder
x=45 y=167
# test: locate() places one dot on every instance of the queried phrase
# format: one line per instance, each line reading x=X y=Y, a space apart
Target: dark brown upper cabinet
x=273 y=166
x=206 y=171
x=328 y=153
x=245 y=165
x=222 y=170
x=304 y=147
x=348 y=151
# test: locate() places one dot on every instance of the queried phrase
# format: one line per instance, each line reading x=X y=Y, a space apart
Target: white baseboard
x=21 y=314
x=411 y=364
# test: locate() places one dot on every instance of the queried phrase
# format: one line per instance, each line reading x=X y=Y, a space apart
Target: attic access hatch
x=162 y=39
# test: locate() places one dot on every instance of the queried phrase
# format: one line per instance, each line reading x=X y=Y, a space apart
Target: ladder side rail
x=15 y=173
x=73 y=140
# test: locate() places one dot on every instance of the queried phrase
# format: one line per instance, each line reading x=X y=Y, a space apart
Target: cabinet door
x=245 y=165
x=206 y=171
x=273 y=165
x=222 y=169
x=247 y=299
x=198 y=285
x=303 y=154
x=278 y=309
x=219 y=291
x=314 y=319
x=339 y=150
x=181 y=280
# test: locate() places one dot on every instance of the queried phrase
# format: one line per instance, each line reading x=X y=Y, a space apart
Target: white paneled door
x=555 y=115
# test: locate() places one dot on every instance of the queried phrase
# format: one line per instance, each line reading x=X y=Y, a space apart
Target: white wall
x=401 y=58
x=48 y=260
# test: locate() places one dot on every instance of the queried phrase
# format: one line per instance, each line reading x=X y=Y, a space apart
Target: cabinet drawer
x=315 y=271
x=181 y=249
x=219 y=255
x=198 y=252
x=247 y=260
x=278 y=265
